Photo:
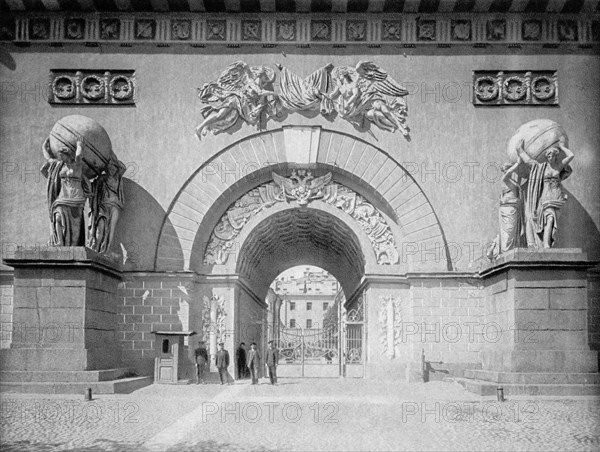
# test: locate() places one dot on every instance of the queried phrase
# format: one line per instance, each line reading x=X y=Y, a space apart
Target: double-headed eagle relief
x=302 y=186
x=361 y=95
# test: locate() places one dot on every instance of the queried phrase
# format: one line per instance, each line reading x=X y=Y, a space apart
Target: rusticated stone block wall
x=150 y=303
x=449 y=318
x=6 y=309
x=594 y=310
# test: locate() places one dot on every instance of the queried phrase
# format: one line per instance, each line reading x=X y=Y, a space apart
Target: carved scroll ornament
x=515 y=88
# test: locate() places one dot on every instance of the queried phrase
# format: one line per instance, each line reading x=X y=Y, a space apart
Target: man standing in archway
x=253 y=362
x=222 y=362
x=201 y=356
x=240 y=358
x=272 y=359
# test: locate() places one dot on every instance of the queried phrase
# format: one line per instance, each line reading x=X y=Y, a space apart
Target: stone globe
x=538 y=136
x=97 y=151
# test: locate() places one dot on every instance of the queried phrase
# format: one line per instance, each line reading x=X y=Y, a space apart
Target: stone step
x=533 y=377
x=120 y=386
x=486 y=388
x=25 y=376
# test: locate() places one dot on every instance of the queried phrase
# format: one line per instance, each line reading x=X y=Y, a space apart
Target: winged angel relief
x=240 y=92
x=361 y=95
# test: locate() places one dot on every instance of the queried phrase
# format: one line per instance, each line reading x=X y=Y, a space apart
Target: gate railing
x=313 y=346
x=354 y=326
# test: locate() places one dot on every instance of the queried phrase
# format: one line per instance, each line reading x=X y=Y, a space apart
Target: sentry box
x=170 y=356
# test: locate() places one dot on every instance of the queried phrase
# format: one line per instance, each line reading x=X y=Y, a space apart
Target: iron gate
x=309 y=352
x=326 y=352
x=354 y=340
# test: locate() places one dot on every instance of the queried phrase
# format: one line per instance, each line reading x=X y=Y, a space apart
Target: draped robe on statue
x=66 y=199
x=544 y=199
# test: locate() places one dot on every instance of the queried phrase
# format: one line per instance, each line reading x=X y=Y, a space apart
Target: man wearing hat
x=253 y=362
x=222 y=362
x=240 y=358
x=201 y=356
x=272 y=359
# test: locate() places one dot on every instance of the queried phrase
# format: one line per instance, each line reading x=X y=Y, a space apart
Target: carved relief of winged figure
x=368 y=92
x=241 y=91
x=302 y=186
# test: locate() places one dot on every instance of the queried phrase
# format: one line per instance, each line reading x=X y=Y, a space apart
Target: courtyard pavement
x=298 y=415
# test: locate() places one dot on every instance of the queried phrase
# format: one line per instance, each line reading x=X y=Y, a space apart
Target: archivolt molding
x=357 y=165
x=301 y=188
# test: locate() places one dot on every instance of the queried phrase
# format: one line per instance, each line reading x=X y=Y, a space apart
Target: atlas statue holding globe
x=81 y=168
x=532 y=193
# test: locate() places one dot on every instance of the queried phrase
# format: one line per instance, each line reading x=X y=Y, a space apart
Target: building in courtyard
x=438 y=160
x=306 y=297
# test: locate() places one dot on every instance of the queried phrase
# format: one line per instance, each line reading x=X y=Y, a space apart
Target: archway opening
x=305 y=306
x=332 y=265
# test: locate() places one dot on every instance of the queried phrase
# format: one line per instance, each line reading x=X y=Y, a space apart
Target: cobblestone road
x=298 y=415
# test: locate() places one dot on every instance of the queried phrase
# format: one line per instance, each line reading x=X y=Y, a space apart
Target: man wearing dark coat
x=222 y=362
x=201 y=356
x=272 y=359
x=240 y=358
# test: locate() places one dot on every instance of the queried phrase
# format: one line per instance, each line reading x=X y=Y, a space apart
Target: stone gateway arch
x=293 y=196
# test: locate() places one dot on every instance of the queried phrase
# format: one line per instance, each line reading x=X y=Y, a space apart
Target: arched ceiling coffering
x=301 y=236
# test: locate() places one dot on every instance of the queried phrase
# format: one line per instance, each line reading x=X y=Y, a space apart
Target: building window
x=308 y=323
x=292 y=306
x=308 y=306
x=325 y=306
x=292 y=323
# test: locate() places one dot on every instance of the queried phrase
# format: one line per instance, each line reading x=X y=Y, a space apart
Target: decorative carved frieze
x=426 y=30
x=216 y=30
x=515 y=88
x=286 y=30
x=181 y=29
x=390 y=320
x=320 y=30
x=301 y=188
x=251 y=30
x=145 y=29
x=391 y=30
x=496 y=30
x=461 y=30
x=422 y=29
x=88 y=87
x=75 y=29
x=362 y=95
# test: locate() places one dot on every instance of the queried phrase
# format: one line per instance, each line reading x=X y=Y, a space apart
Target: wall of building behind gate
x=454 y=155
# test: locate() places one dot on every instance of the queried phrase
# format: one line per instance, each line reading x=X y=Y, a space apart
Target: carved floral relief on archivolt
x=301 y=187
